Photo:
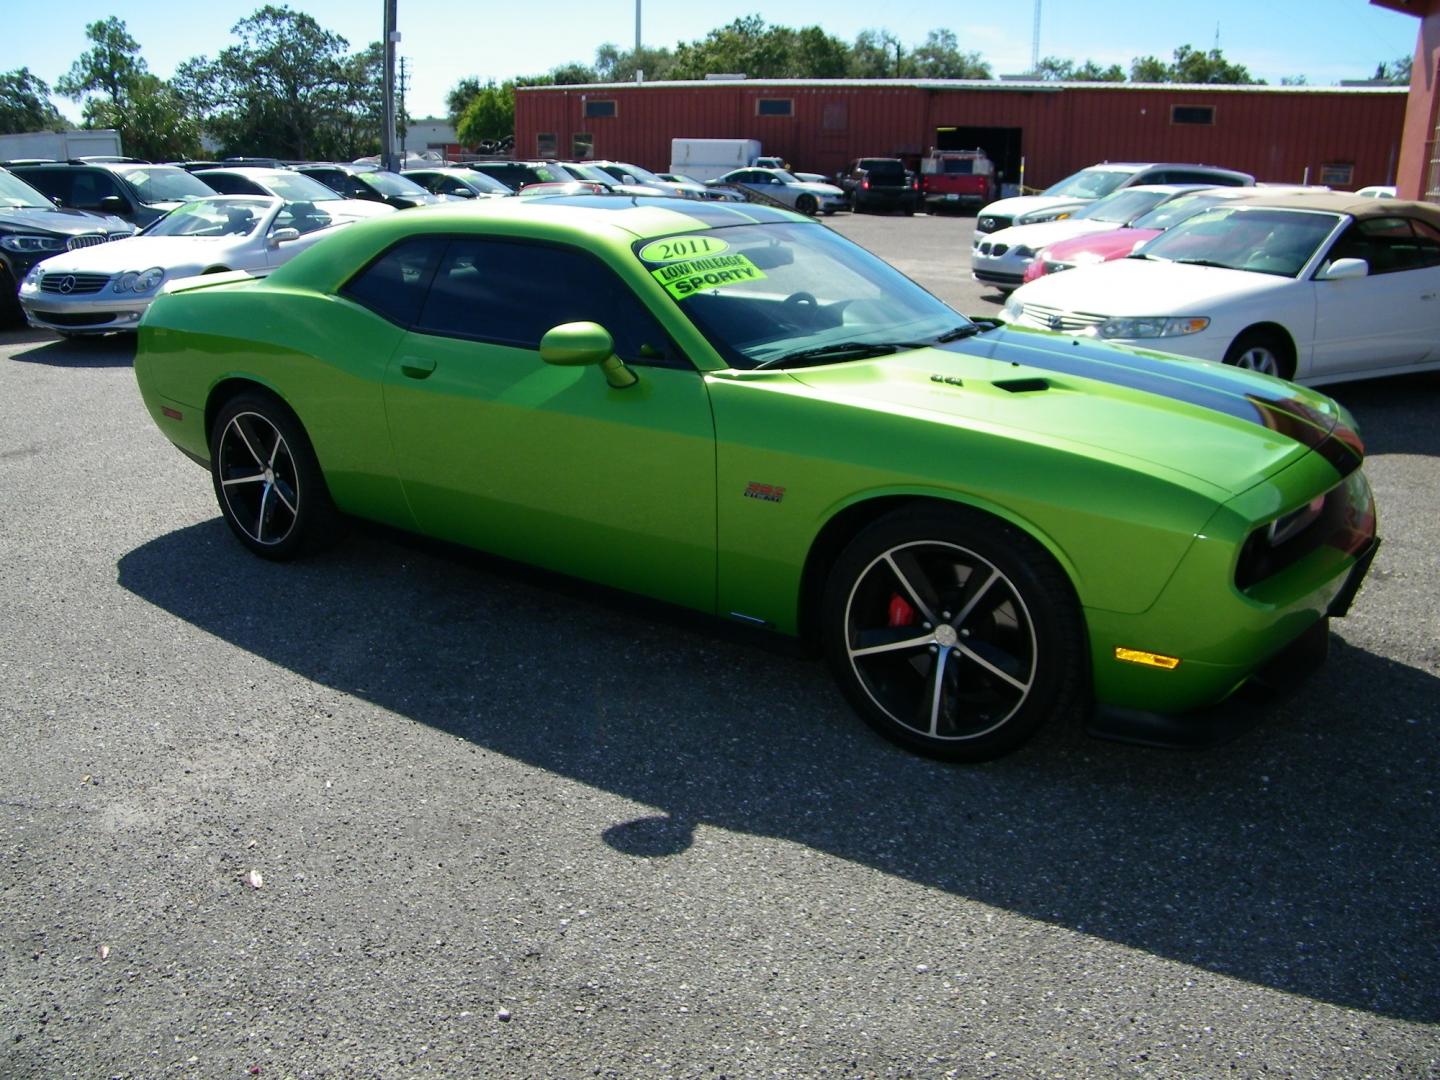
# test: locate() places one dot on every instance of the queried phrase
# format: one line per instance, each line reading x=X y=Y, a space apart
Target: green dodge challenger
x=734 y=409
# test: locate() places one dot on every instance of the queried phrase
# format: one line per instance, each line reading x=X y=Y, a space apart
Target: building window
x=835 y=116
x=774 y=107
x=1192 y=114
x=546 y=144
x=600 y=109
x=1337 y=174
x=582 y=146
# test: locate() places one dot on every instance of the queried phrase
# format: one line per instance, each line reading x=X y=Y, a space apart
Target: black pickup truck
x=880 y=184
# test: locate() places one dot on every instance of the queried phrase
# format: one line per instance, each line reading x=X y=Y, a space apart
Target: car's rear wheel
x=806 y=204
x=952 y=633
x=1264 y=351
x=267 y=480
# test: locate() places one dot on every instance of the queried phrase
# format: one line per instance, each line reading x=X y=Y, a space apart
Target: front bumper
x=99 y=314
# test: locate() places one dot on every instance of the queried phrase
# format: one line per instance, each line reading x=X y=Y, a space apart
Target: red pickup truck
x=956 y=178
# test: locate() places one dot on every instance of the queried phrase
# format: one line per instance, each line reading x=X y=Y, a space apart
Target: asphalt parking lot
x=397 y=811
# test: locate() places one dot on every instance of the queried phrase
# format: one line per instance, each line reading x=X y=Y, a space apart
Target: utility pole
x=387 y=136
x=402 y=85
x=639 y=74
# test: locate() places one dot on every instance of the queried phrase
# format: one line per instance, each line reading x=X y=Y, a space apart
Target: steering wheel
x=801 y=298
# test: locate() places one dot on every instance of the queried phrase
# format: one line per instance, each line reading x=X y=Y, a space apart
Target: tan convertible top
x=1344 y=202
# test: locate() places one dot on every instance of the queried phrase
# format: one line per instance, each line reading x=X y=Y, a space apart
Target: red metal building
x=1346 y=137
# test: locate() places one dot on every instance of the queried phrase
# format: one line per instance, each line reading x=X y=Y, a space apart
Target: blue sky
x=446 y=40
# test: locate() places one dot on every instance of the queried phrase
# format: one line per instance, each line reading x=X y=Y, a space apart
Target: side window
x=90 y=187
x=53 y=182
x=511 y=293
x=393 y=285
x=1427 y=236
x=1397 y=245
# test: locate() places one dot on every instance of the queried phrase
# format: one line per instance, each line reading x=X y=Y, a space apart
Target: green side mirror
x=579 y=344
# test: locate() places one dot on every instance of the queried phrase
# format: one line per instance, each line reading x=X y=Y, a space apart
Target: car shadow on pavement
x=1299 y=857
x=99 y=350
x=1396 y=415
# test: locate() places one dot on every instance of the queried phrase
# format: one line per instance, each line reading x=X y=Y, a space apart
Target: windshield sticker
x=684 y=279
x=682 y=247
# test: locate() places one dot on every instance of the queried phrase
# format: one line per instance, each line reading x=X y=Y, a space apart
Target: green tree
x=572 y=74
x=876 y=54
x=748 y=45
x=489 y=117
x=1396 y=72
x=612 y=64
x=1192 y=66
x=107 y=67
x=939 y=57
x=459 y=97
x=153 y=119
x=289 y=89
x=25 y=104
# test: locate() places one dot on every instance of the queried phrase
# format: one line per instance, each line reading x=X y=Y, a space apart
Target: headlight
x=1037 y=216
x=1153 y=327
x=31 y=244
x=140 y=281
x=1020 y=251
x=1013 y=308
x=32 y=279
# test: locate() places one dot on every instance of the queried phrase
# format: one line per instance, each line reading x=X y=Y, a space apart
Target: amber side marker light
x=1146 y=659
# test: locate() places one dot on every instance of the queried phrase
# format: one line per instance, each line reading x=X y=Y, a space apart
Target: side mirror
x=280 y=236
x=114 y=204
x=462 y=192
x=1344 y=270
x=580 y=344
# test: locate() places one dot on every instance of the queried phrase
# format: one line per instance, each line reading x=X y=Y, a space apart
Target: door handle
x=417 y=367
x=1427 y=296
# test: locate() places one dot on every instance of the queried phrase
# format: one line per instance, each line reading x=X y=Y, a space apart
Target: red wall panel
x=1275 y=134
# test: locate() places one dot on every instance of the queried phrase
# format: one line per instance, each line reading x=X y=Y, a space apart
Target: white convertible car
x=1315 y=288
x=99 y=290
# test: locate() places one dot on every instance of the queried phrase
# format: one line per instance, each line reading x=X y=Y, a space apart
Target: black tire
x=11 y=313
x=807 y=205
x=268 y=484
x=958 y=593
x=1264 y=351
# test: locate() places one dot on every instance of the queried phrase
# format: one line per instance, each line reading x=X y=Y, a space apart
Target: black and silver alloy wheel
x=266 y=478
x=940 y=640
x=953 y=634
x=258 y=480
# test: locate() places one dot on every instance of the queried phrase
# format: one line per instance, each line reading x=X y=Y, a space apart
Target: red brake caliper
x=901 y=613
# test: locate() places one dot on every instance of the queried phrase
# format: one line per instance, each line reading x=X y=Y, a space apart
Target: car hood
x=1225 y=428
x=1147 y=287
x=1106 y=245
x=354 y=208
x=1046 y=232
x=816 y=189
x=60 y=222
x=141 y=253
x=1024 y=204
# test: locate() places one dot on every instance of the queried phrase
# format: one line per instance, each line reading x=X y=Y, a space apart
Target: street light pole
x=387 y=136
x=639 y=74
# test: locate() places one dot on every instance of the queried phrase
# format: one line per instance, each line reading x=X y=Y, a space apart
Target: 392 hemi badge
x=767 y=492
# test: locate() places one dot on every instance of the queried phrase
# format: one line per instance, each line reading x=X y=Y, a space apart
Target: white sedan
x=788 y=189
x=98 y=290
x=1314 y=288
x=1001 y=258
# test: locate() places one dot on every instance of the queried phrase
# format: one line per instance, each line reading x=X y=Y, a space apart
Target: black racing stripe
x=1286 y=415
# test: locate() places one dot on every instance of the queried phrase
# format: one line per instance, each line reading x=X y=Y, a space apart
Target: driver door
x=551 y=465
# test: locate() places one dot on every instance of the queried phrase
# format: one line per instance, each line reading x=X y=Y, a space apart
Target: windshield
x=231 y=216
x=1122 y=207
x=1177 y=210
x=300 y=188
x=1090 y=183
x=589 y=172
x=1265 y=240
x=389 y=183
x=760 y=293
x=644 y=176
x=163 y=183
x=15 y=193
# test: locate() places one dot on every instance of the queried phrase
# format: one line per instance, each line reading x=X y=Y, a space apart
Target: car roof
x=1345 y=202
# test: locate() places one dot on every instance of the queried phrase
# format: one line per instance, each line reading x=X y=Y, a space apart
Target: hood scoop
x=1022 y=386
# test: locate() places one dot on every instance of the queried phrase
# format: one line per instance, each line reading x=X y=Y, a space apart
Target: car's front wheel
x=807 y=205
x=1264 y=351
x=267 y=480
x=952 y=633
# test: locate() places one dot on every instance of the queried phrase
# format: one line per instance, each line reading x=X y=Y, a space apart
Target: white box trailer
x=60 y=145
x=709 y=159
